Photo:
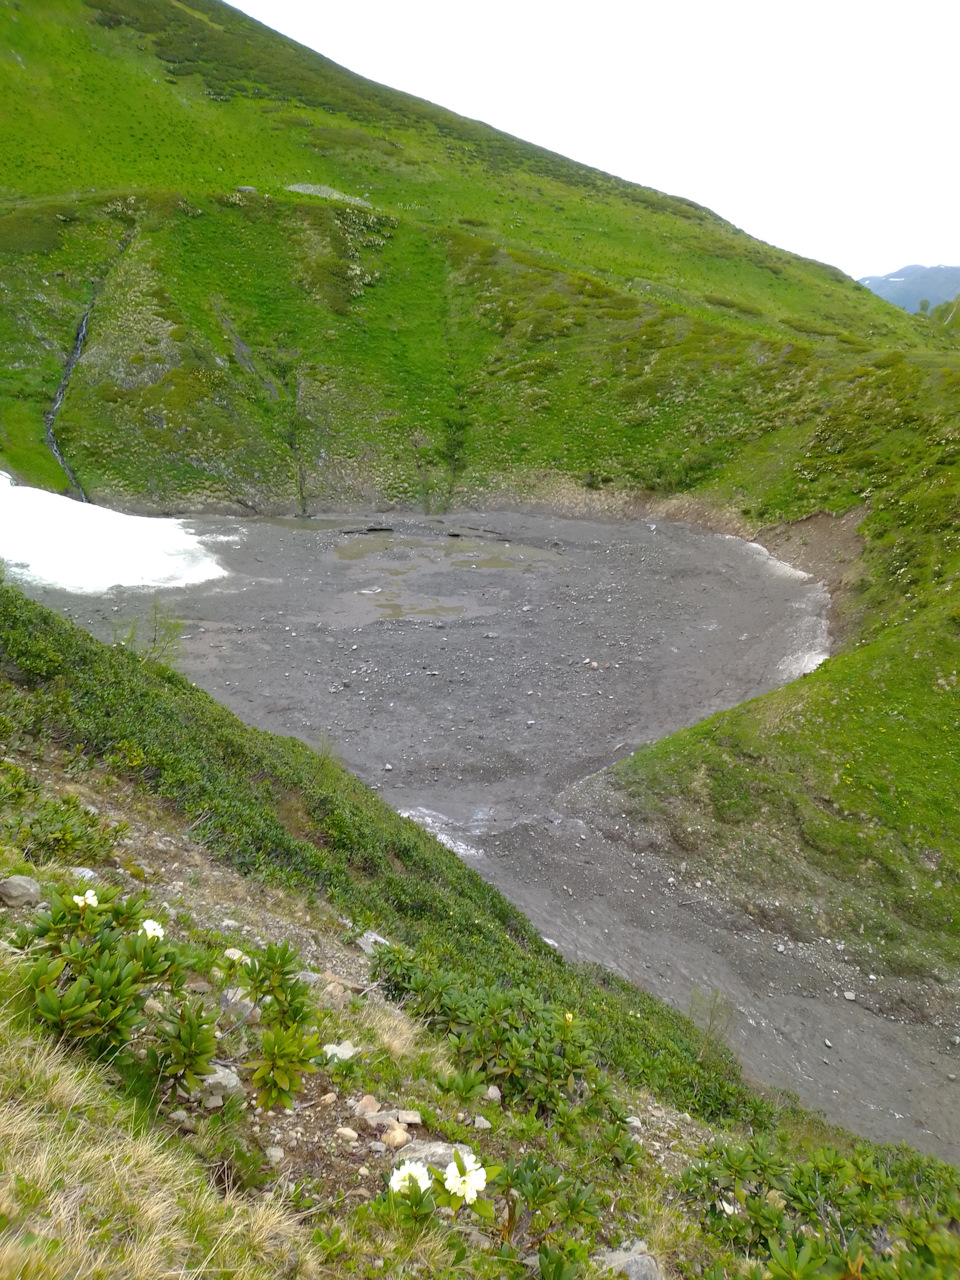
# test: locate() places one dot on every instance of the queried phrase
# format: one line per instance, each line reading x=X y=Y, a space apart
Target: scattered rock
x=178 y=1116
x=328 y=1099
x=229 y=924
x=236 y=955
x=213 y=1101
x=369 y=941
x=378 y=1147
x=334 y=996
x=481 y=1122
x=439 y=1154
x=395 y=1137
x=247 y=191
x=83 y=873
x=153 y=1006
x=347 y=1134
x=367 y=1106
x=274 y=1155
x=633 y=1261
x=849 y=995
x=344 y=1051
x=350 y=985
x=493 y=1094
x=232 y=1001
x=223 y=1081
x=19 y=891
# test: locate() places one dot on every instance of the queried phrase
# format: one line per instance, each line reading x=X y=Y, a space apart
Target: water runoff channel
x=476 y=669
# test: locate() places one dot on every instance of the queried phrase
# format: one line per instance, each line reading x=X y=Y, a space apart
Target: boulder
x=19 y=891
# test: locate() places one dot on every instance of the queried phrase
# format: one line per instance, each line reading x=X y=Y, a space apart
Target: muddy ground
x=477 y=669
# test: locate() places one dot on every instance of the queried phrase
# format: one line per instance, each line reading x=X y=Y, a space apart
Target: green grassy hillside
x=478 y=319
x=497 y=311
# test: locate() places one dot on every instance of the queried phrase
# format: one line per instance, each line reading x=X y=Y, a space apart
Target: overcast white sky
x=828 y=127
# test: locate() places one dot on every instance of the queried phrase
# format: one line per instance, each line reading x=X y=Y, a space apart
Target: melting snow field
x=53 y=541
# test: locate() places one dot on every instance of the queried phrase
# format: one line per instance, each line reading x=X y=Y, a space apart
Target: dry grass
x=119 y=1202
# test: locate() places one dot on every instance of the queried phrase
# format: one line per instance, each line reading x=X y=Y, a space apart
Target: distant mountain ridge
x=910 y=285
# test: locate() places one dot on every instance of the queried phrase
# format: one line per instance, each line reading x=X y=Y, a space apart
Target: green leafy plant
x=91 y=961
x=285 y=1057
x=187 y=1045
x=270 y=980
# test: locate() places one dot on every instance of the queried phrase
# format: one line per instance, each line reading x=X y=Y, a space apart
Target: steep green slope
x=498 y=312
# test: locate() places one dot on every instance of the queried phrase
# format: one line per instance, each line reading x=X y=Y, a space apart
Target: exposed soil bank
x=477 y=668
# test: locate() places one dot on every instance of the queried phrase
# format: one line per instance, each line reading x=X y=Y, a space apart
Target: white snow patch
x=436 y=823
x=52 y=541
x=812 y=638
x=778 y=567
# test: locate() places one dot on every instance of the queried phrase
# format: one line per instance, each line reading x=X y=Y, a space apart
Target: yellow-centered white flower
x=411 y=1171
x=152 y=928
x=88 y=899
x=470 y=1183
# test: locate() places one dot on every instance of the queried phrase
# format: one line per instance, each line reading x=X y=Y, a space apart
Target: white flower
x=411 y=1171
x=468 y=1184
x=152 y=928
x=88 y=899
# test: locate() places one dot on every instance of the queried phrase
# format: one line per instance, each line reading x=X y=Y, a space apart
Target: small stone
x=395 y=1137
x=274 y=1155
x=236 y=955
x=367 y=1106
x=493 y=1094
x=388 y=768
x=347 y=1134
x=378 y=1147
x=247 y=191
x=153 y=1006
x=955 y=1040
x=363 y=1171
x=199 y=986
x=83 y=873
x=481 y=1122
x=178 y=1116
x=229 y=924
x=849 y=995
x=408 y=1117
x=213 y=1101
x=19 y=891
x=951 y=1075
x=328 y=1099
x=828 y=1043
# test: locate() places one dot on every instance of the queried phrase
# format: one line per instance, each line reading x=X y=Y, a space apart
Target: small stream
x=50 y=417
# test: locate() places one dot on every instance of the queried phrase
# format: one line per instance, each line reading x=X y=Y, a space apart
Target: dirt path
x=476 y=669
